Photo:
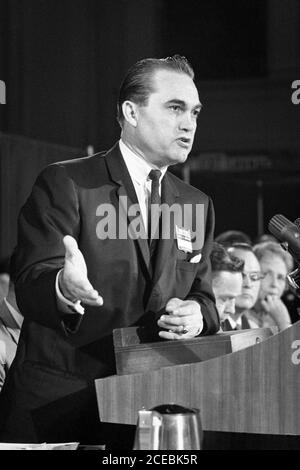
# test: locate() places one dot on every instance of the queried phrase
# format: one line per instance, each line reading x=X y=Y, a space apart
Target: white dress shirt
x=139 y=171
x=235 y=324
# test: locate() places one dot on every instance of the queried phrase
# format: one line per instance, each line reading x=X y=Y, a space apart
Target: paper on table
x=42 y=446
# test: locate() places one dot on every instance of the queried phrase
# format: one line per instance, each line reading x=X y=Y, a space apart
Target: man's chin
x=179 y=157
x=244 y=306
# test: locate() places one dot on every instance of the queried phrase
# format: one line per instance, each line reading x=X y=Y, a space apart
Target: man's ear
x=130 y=112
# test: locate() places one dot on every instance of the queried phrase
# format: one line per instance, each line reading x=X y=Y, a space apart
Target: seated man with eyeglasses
x=226 y=282
x=264 y=281
x=250 y=288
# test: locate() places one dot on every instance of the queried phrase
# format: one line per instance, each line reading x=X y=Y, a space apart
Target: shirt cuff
x=63 y=304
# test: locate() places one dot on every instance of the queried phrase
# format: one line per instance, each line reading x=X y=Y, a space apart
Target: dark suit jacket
x=53 y=362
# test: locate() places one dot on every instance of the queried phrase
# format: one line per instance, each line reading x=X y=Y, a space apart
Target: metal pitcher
x=168 y=427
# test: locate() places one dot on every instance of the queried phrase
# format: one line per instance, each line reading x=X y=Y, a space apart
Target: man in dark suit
x=227 y=282
x=85 y=265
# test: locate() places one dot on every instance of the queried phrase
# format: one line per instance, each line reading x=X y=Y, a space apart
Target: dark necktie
x=245 y=323
x=226 y=326
x=154 y=211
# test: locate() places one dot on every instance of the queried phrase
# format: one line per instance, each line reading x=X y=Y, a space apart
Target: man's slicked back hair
x=222 y=260
x=137 y=84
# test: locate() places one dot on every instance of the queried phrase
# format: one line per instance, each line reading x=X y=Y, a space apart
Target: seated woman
x=269 y=310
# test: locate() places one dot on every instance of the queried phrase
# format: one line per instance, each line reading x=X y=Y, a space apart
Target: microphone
x=297 y=222
x=286 y=232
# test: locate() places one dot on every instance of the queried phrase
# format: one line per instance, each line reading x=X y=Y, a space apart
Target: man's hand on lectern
x=183 y=319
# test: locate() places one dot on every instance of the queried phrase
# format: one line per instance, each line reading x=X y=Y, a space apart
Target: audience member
x=230 y=237
x=275 y=263
x=4 y=277
x=10 y=327
x=250 y=287
x=226 y=281
x=265 y=237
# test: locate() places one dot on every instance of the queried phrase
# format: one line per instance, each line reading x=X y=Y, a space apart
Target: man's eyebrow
x=183 y=103
x=198 y=106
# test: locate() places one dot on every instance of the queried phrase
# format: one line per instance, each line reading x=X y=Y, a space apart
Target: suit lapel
x=127 y=198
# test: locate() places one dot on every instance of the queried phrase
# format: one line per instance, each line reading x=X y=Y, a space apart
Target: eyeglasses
x=278 y=276
x=253 y=276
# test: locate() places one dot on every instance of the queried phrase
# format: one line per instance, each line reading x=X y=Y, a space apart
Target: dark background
x=63 y=61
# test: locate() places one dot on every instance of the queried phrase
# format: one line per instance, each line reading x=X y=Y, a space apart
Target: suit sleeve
x=50 y=213
x=201 y=290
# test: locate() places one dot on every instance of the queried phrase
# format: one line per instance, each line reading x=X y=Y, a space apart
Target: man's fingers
x=98 y=302
x=172 y=335
x=186 y=308
x=170 y=320
x=89 y=298
x=173 y=304
x=71 y=246
x=79 y=285
x=87 y=294
x=177 y=329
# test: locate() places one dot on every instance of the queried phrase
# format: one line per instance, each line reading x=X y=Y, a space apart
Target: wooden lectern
x=252 y=390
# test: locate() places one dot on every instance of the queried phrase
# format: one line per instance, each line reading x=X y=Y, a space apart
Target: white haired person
x=269 y=309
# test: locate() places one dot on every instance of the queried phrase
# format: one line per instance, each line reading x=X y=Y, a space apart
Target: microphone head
x=277 y=223
x=287 y=233
x=297 y=222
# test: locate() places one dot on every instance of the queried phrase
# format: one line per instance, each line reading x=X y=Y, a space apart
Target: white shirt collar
x=234 y=323
x=138 y=168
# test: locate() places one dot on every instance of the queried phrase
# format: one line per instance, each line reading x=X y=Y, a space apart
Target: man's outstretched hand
x=73 y=280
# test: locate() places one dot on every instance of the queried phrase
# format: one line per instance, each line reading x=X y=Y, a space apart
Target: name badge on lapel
x=184 y=239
